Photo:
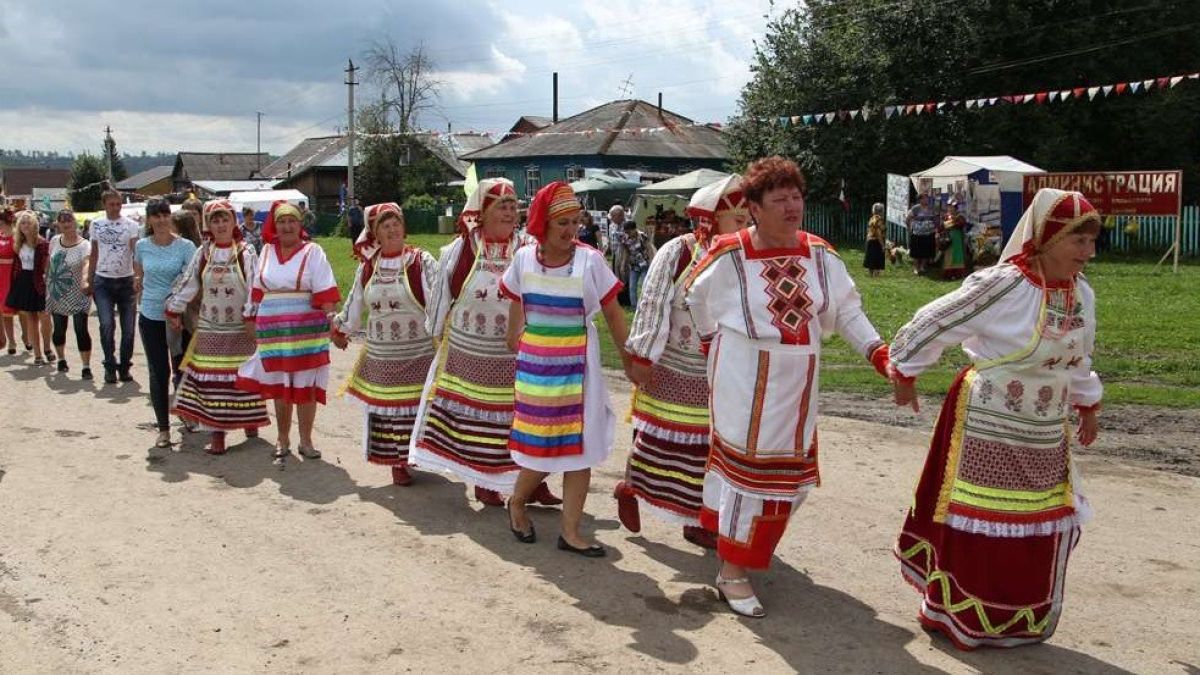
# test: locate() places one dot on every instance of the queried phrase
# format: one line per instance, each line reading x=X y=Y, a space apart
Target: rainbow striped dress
x=562 y=420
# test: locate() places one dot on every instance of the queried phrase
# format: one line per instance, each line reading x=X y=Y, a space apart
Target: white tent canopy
x=261 y=200
x=1008 y=171
x=683 y=185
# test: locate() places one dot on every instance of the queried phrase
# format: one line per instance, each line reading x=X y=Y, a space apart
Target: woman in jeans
x=158 y=260
x=65 y=299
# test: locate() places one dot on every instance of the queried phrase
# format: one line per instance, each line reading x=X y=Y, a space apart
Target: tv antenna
x=626 y=88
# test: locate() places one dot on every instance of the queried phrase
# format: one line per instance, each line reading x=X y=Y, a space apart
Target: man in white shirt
x=111 y=284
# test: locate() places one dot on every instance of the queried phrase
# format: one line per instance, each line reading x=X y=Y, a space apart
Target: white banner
x=897 y=199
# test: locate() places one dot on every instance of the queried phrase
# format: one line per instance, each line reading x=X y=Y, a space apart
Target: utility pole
x=258 y=155
x=108 y=153
x=350 y=84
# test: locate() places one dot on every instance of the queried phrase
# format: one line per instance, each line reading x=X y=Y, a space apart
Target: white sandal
x=750 y=606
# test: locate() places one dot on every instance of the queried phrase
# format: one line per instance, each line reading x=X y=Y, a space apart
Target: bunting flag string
x=1036 y=98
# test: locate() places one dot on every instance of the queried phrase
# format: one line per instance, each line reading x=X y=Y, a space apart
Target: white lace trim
x=386 y=410
x=1083 y=514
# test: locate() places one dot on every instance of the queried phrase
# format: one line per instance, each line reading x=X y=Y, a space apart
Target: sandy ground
x=113 y=563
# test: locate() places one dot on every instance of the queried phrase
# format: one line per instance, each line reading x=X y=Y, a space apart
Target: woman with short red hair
x=763 y=299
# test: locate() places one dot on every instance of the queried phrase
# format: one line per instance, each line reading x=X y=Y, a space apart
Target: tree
x=111 y=158
x=831 y=55
x=88 y=172
x=405 y=81
x=395 y=165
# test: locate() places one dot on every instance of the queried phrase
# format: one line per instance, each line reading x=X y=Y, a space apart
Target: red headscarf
x=221 y=205
x=366 y=244
x=278 y=209
x=554 y=200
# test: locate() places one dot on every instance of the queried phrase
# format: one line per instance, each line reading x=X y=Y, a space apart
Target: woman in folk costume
x=293 y=296
x=999 y=483
x=665 y=472
x=391 y=284
x=954 y=256
x=221 y=273
x=467 y=409
x=763 y=299
x=563 y=421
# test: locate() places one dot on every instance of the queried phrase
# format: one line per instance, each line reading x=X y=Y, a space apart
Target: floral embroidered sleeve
x=187 y=285
x=951 y=319
x=438 y=304
x=349 y=320
x=1085 y=388
x=652 y=322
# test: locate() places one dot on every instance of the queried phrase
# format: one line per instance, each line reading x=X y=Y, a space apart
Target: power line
x=1019 y=63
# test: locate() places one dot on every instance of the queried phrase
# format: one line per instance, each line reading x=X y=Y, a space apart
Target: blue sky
x=190 y=76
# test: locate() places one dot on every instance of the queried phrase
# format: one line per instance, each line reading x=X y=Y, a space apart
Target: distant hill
x=53 y=160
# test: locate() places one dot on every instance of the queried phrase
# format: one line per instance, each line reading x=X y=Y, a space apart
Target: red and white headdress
x=216 y=205
x=1052 y=215
x=490 y=192
x=555 y=200
x=366 y=245
x=714 y=200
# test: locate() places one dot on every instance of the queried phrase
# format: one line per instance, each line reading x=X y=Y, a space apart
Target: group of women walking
x=485 y=364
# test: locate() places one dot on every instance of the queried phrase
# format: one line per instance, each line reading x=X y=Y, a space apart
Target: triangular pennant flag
x=1028 y=98
x=1092 y=91
x=1147 y=84
x=783 y=122
x=865 y=112
x=1078 y=91
x=908 y=110
x=992 y=101
x=1134 y=86
x=1194 y=76
x=1040 y=97
x=1120 y=88
x=929 y=107
x=796 y=119
x=1176 y=80
x=1162 y=82
x=854 y=114
x=808 y=119
x=1064 y=94
x=1107 y=89
x=941 y=105
x=1053 y=97
x=970 y=103
x=829 y=118
x=889 y=111
x=842 y=115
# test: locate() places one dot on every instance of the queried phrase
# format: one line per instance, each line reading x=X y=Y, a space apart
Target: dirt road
x=112 y=563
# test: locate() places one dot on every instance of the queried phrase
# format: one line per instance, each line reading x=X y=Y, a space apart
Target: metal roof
x=148 y=177
x=598 y=132
x=194 y=166
x=318 y=151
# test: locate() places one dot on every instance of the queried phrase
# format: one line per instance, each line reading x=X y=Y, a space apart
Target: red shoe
x=488 y=497
x=217 y=445
x=543 y=496
x=627 y=507
x=251 y=432
x=700 y=536
x=400 y=475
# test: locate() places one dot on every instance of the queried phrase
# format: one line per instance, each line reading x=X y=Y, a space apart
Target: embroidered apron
x=1008 y=472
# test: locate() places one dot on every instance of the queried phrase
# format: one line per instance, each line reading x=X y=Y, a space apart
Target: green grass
x=1147 y=347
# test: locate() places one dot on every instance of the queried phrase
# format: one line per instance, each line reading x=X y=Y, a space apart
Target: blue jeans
x=635 y=285
x=112 y=297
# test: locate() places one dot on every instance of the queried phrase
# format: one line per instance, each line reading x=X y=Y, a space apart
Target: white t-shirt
x=28 y=256
x=111 y=238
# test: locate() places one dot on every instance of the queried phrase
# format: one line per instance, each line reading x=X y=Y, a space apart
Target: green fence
x=1154 y=234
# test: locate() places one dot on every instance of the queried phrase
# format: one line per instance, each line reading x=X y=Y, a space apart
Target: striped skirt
x=292 y=336
x=207 y=393
x=671 y=439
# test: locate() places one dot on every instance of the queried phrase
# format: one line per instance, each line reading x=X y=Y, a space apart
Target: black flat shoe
x=593 y=551
x=529 y=537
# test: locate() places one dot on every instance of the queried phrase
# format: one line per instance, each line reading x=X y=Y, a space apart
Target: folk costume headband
x=715 y=200
x=1052 y=215
x=367 y=245
x=553 y=201
x=218 y=205
x=489 y=193
x=279 y=210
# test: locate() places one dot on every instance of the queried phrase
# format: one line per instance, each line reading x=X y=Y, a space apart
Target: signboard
x=897 y=199
x=1143 y=193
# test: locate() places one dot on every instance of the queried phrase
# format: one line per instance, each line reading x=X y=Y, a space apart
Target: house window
x=574 y=173
x=533 y=181
x=494 y=172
